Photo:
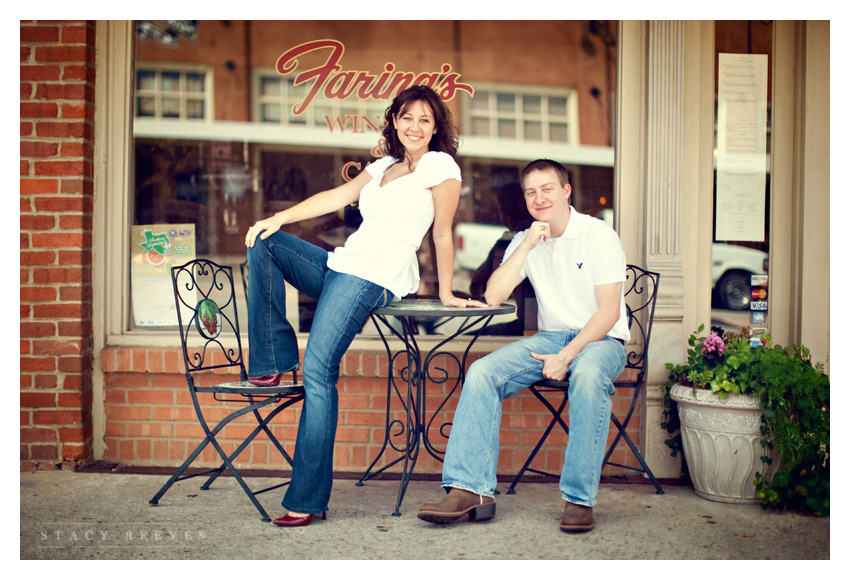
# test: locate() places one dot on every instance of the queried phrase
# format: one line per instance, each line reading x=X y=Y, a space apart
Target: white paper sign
x=741 y=147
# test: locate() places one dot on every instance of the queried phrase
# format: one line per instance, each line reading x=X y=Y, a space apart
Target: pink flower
x=713 y=345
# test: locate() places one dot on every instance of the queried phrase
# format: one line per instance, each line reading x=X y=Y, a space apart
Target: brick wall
x=57 y=115
x=150 y=420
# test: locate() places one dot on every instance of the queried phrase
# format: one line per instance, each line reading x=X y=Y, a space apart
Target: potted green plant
x=752 y=420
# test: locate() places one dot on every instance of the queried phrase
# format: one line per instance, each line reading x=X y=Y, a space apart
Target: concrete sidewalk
x=67 y=515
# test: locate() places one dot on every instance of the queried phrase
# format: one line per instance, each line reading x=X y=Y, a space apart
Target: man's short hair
x=546 y=165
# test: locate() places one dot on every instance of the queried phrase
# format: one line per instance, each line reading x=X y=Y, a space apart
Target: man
x=577 y=267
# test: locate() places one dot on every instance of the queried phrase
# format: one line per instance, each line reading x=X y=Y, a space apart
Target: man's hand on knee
x=555 y=366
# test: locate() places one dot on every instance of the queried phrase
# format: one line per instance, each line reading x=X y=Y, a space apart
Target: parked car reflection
x=731 y=268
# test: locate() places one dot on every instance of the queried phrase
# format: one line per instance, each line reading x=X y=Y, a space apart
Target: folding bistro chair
x=641 y=290
x=206 y=306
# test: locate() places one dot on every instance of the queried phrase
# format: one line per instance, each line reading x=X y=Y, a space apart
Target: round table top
x=433 y=308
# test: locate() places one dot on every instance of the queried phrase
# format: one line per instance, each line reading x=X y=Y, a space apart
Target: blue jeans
x=344 y=304
x=473 y=449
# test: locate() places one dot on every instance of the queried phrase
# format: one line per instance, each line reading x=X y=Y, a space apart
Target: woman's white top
x=395 y=219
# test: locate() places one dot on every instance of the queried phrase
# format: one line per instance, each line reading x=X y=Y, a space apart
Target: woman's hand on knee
x=263 y=228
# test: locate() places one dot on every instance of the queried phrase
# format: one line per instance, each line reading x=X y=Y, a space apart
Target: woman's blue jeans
x=473 y=449
x=344 y=304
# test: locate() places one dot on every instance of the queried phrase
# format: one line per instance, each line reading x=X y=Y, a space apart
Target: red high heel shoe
x=267 y=381
x=289 y=521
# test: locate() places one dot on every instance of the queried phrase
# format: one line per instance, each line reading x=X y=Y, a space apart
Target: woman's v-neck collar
x=382 y=185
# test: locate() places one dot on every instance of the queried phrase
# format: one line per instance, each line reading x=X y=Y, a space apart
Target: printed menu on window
x=154 y=249
x=741 y=147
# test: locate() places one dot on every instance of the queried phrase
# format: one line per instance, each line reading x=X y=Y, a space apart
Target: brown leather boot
x=457 y=504
x=577 y=518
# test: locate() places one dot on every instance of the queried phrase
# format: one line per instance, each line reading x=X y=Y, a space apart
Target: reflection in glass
x=558 y=132
x=271 y=113
x=505 y=102
x=531 y=104
x=558 y=106
x=270 y=87
x=734 y=262
x=533 y=130
x=146 y=80
x=170 y=81
x=517 y=111
x=296 y=120
x=195 y=82
x=480 y=126
x=481 y=101
x=145 y=107
x=194 y=109
x=507 y=128
x=321 y=111
x=297 y=91
x=170 y=107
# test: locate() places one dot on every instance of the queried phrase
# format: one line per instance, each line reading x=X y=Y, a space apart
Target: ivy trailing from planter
x=794 y=398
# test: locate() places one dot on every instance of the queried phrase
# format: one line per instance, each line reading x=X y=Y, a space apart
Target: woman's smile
x=415 y=127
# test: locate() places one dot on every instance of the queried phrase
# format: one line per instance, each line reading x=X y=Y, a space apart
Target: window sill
x=170 y=339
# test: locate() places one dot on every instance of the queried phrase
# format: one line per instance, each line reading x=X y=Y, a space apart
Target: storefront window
x=742 y=172
x=236 y=120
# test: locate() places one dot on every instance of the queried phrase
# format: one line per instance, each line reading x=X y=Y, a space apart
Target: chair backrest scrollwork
x=206 y=314
x=641 y=291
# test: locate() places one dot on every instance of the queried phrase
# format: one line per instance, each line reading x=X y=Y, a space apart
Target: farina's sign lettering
x=333 y=82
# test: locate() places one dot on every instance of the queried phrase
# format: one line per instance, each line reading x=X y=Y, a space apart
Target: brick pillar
x=57 y=117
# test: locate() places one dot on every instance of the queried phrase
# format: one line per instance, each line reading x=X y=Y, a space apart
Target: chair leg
x=621 y=433
x=210 y=438
x=240 y=481
x=262 y=426
x=556 y=418
x=176 y=476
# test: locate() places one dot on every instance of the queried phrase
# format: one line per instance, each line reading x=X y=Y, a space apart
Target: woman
x=400 y=196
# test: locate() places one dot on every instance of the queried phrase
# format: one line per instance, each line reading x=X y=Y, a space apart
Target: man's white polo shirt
x=565 y=272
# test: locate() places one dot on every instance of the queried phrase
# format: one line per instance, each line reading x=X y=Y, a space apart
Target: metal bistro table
x=417 y=372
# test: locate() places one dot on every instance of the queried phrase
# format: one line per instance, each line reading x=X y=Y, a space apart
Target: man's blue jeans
x=473 y=449
x=344 y=304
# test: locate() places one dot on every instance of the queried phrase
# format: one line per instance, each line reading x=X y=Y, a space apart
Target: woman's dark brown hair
x=445 y=139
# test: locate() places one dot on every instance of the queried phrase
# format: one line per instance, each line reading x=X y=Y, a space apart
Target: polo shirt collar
x=573 y=229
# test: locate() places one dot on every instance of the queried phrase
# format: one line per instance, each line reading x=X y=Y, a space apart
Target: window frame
x=519 y=116
x=182 y=94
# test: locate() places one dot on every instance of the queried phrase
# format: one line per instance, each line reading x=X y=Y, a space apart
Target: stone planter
x=722 y=443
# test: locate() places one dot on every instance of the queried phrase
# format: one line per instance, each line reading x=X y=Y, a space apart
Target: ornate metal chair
x=641 y=289
x=206 y=314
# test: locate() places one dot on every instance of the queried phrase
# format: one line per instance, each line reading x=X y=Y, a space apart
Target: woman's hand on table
x=462 y=302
